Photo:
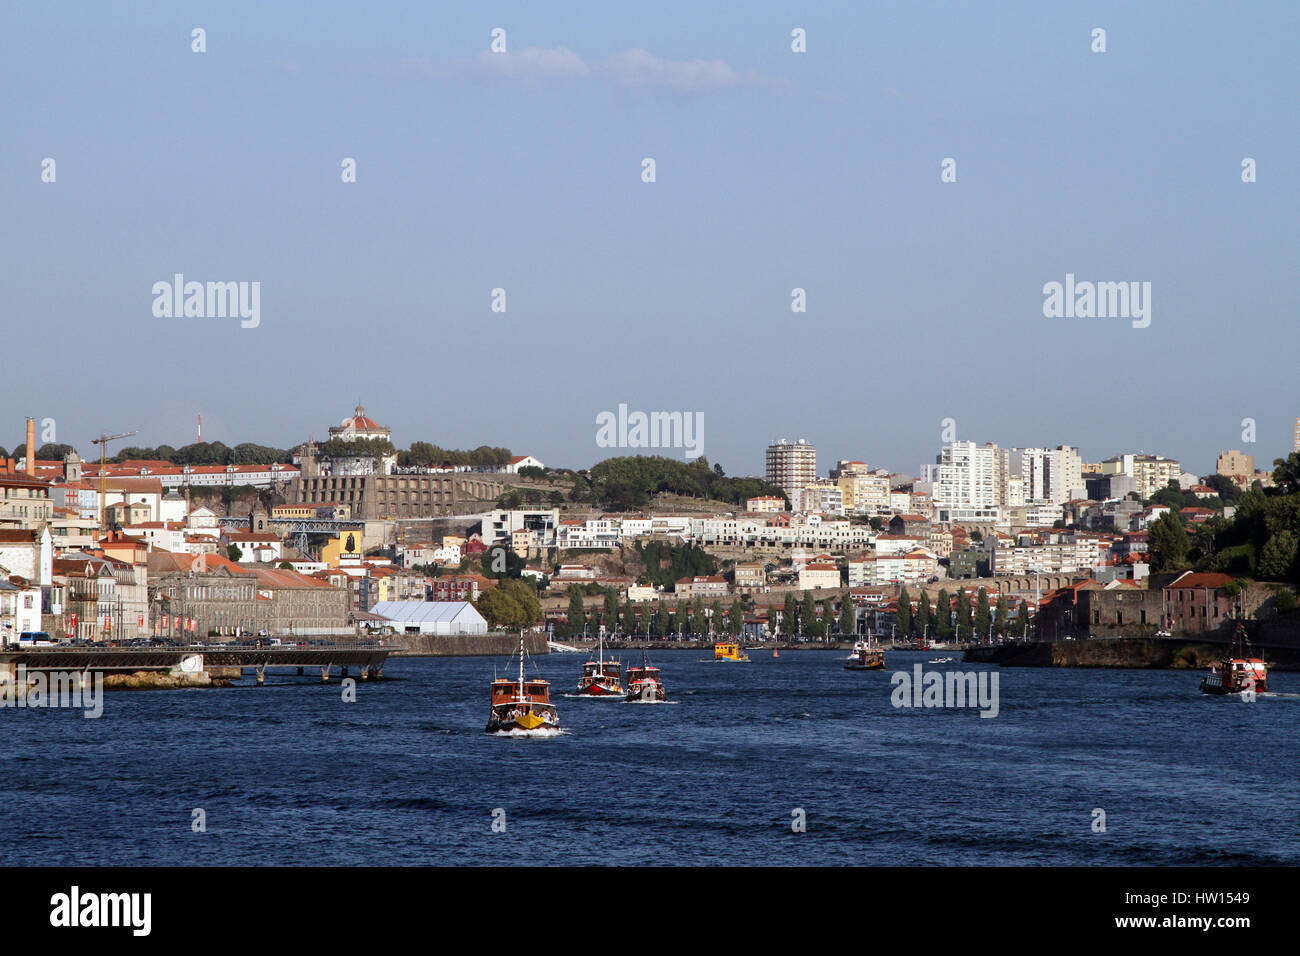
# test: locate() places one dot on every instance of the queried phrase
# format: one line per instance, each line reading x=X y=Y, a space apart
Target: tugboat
x=601 y=678
x=522 y=708
x=644 y=685
x=864 y=657
x=728 y=651
x=1237 y=672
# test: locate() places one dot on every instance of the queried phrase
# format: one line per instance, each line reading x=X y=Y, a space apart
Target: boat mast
x=521 y=666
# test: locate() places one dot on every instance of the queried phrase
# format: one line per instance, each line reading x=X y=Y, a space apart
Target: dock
x=367 y=658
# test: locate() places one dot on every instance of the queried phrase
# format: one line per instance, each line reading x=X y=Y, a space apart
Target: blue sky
x=775 y=170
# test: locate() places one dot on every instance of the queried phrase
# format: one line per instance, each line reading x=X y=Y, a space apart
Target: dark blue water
x=290 y=774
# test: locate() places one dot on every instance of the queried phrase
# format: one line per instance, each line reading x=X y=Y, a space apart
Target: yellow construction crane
x=102 y=441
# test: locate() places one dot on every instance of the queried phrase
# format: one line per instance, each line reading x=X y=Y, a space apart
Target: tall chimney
x=31 y=446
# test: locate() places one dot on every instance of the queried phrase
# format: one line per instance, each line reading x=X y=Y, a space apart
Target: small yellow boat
x=728 y=651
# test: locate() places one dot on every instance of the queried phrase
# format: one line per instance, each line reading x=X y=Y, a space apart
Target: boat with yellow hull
x=729 y=651
x=864 y=657
x=522 y=708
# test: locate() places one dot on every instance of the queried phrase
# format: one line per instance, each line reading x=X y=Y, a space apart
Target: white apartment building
x=1064 y=557
x=864 y=493
x=818 y=575
x=823 y=497
x=913 y=567
x=1150 y=473
x=791 y=464
x=966 y=482
x=1047 y=474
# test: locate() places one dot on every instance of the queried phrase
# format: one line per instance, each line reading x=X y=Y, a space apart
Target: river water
x=290 y=773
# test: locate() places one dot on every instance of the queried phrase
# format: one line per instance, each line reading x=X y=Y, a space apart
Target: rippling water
x=291 y=774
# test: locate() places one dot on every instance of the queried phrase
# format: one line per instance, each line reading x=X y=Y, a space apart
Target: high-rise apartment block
x=791 y=464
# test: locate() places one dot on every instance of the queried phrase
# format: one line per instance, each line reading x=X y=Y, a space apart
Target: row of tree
x=685 y=619
x=800 y=616
x=424 y=455
x=962 y=622
x=628 y=483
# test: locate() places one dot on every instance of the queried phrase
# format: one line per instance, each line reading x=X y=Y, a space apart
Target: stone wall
x=469 y=645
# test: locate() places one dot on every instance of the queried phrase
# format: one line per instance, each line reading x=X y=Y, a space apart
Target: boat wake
x=593 y=696
x=638 y=701
x=540 y=732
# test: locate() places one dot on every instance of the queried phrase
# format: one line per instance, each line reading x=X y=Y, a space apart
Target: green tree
x=510 y=604
x=848 y=616
x=629 y=618
x=51 y=452
x=716 y=618
x=1167 y=543
x=1277 y=560
x=1286 y=473
x=807 y=613
x=233 y=552
x=736 y=618
x=789 y=615
x=699 y=620
x=983 y=622
x=662 y=620
x=577 y=616
x=963 y=615
x=1000 y=617
x=943 y=614
x=903 y=619
x=610 y=617
x=922 y=624
x=828 y=618
x=1022 y=620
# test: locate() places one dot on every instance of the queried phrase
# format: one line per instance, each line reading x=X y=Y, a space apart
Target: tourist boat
x=728 y=651
x=601 y=678
x=1237 y=672
x=644 y=685
x=864 y=657
x=522 y=708
x=939 y=660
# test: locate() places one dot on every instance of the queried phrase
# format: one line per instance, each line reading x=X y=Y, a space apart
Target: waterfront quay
x=367 y=659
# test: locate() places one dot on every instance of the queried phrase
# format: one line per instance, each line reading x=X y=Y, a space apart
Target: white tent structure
x=432 y=617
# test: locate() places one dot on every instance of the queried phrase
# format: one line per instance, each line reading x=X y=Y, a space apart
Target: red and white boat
x=601 y=678
x=644 y=685
x=1237 y=673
